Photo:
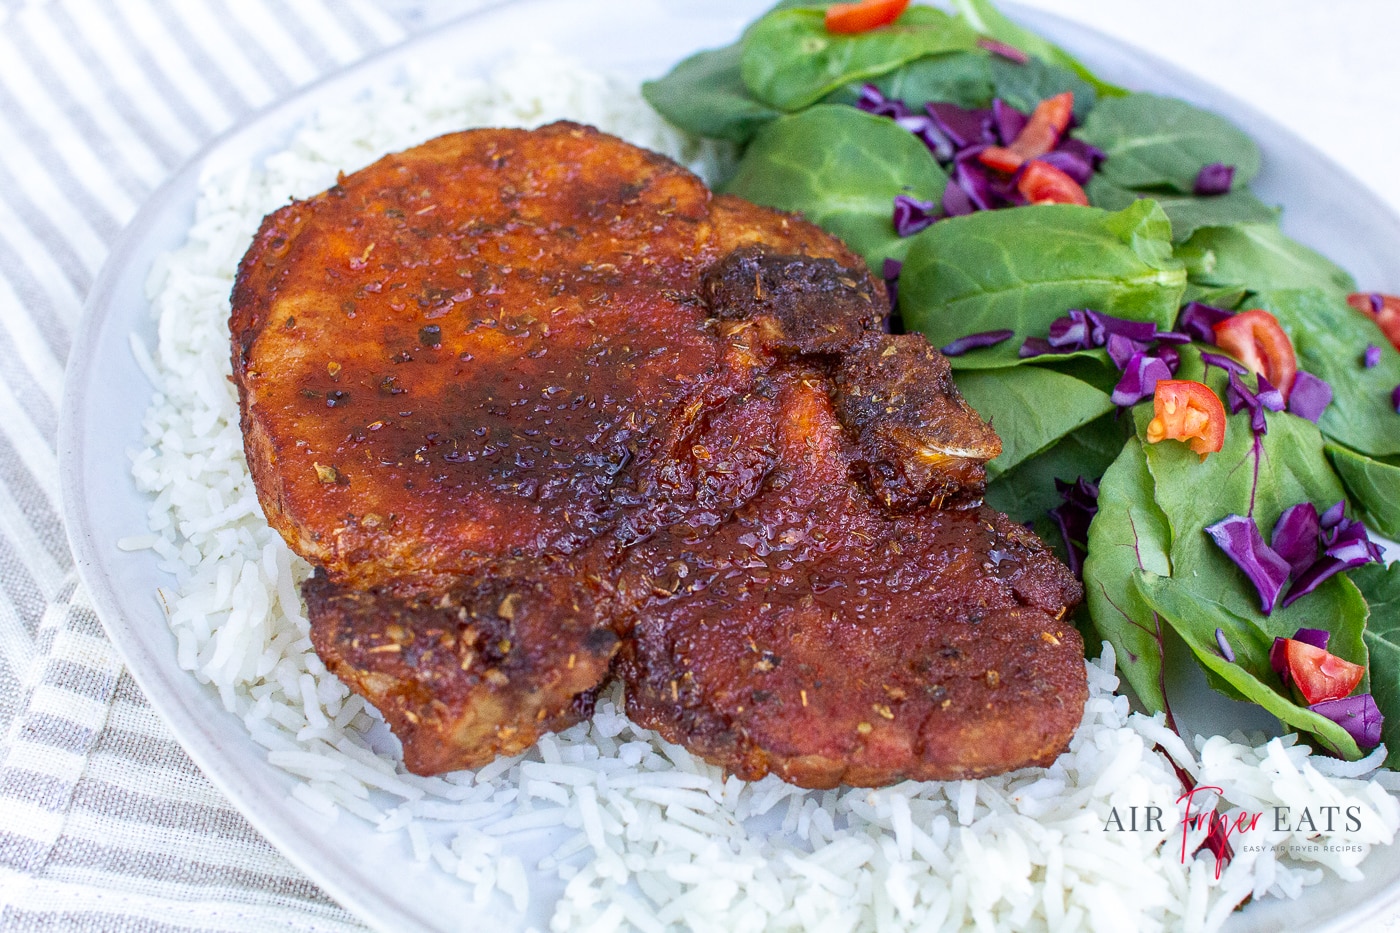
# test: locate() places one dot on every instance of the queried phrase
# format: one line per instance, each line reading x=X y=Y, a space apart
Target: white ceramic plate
x=373 y=874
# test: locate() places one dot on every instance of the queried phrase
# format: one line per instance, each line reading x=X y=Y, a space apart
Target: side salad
x=1200 y=413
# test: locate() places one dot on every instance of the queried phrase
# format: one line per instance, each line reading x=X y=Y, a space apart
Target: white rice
x=658 y=839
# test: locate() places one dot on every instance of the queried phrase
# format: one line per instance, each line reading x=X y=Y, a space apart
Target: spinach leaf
x=988 y=20
x=1330 y=338
x=1024 y=86
x=1023 y=267
x=1381 y=587
x=1091 y=366
x=1030 y=408
x=1188 y=213
x=962 y=78
x=790 y=61
x=1128 y=534
x=840 y=168
x=1027 y=491
x=1374 y=486
x=1162 y=142
x=705 y=95
x=1231 y=299
x=1195 y=618
x=973 y=79
x=1287 y=466
x=1257 y=257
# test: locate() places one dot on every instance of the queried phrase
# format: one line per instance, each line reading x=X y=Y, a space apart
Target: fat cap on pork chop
x=542 y=410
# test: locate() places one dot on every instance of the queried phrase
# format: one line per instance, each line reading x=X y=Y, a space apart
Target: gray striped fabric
x=105 y=824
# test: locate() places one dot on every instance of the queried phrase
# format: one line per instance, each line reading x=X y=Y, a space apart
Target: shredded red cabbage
x=1372 y=357
x=1140 y=378
x=1270 y=399
x=1296 y=535
x=986 y=338
x=1224 y=362
x=1278 y=651
x=1035 y=346
x=1130 y=345
x=1009 y=52
x=964 y=127
x=956 y=136
x=1072 y=164
x=873 y=100
x=1199 y=320
x=1087 y=152
x=1074 y=331
x=1266 y=398
x=1345 y=545
x=1239 y=538
x=1358 y=714
x=890 y=271
x=1214 y=178
x=929 y=134
x=1226 y=651
x=1395 y=399
x=1316 y=637
x=975 y=179
x=1072 y=517
x=1310 y=396
x=1122 y=349
x=1278 y=659
x=912 y=215
x=1009 y=121
x=956 y=202
x=1133 y=330
x=1083 y=329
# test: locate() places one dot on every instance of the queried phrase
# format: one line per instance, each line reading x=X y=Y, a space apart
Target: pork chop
x=537 y=407
x=830 y=640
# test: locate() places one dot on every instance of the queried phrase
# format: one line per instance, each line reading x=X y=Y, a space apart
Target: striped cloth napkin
x=105 y=824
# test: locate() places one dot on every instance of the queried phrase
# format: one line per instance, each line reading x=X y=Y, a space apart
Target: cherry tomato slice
x=1318 y=674
x=1042 y=183
x=1256 y=340
x=847 y=19
x=1041 y=134
x=1387 y=317
x=1048 y=122
x=1000 y=158
x=1188 y=411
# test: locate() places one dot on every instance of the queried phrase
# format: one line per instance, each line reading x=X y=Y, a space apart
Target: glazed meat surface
x=470 y=349
x=541 y=410
x=830 y=641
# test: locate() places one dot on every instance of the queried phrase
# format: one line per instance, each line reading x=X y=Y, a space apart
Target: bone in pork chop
x=541 y=410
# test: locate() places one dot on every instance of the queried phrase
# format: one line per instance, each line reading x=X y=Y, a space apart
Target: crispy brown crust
x=829 y=642
x=539 y=407
x=459 y=353
x=475 y=671
x=793 y=304
x=920 y=443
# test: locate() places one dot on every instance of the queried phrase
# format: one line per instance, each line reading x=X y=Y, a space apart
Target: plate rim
x=368 y=903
